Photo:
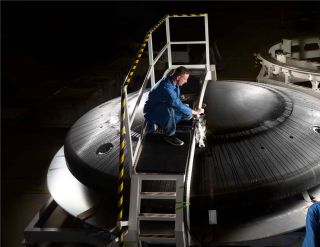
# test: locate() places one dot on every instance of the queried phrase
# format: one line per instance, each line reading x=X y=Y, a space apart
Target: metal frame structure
x=270 y=64
x=183 y=181
x=210 y=74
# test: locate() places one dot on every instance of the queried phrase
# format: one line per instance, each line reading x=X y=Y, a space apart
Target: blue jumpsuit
x=164 y=107
x=312 y=238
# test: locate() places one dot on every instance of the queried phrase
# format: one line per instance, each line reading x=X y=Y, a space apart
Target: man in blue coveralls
x=164 y=108
x=312 y=238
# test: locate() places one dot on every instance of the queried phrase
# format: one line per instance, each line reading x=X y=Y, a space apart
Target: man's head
x=180 y=75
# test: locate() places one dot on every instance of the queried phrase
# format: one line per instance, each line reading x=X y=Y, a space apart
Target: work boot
x=173 y=140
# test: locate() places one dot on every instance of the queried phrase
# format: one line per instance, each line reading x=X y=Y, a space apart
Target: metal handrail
x=129 y=117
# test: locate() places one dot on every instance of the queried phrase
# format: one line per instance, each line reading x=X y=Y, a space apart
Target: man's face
x=181 y=80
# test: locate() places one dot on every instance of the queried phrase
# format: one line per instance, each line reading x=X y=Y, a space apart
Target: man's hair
x=179 y=72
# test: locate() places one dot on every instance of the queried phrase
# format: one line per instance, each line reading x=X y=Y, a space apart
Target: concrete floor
x=34 y=125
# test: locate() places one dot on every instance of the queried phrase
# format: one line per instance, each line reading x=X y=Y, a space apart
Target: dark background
x=52 y=39
x=55 y=57
x=69 y=35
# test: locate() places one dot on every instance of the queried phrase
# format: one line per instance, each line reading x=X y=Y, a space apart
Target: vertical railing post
x=150 y=51
x=206 y=28
x=128 y=132
x=168 y=42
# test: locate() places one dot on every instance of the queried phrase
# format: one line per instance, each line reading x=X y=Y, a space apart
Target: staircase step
x=157 y=217
x=158 y=238
x=158 y=195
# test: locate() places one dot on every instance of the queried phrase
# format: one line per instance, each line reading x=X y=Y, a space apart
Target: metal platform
x=157 y=156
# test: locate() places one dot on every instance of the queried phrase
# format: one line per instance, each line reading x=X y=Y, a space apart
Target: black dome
x=261 y=145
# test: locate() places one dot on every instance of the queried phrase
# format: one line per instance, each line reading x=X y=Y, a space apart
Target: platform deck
x=158 y=156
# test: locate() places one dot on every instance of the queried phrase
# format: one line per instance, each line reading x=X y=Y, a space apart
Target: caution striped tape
x=121 y=169
x=186 y=15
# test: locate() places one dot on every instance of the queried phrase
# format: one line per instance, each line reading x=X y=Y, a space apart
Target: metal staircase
x=167 y=228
